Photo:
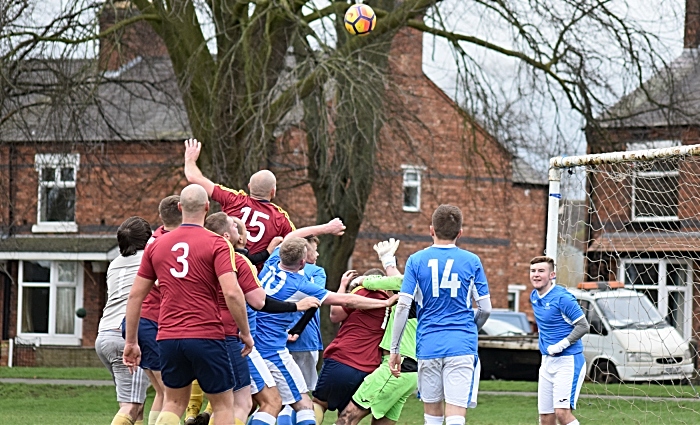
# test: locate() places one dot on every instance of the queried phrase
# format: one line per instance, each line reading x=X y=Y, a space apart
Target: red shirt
x=357 y=342
x=248 y=281
x=263 y=219
x=150 y=309
x=187 y=263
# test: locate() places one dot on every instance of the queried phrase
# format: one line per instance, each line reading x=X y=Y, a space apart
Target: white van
x=628 y=339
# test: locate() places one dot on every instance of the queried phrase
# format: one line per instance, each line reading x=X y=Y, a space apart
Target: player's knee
x=271 y=401
x=565 y=417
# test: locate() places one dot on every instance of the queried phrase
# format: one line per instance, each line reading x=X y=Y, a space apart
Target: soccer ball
x=360 y=19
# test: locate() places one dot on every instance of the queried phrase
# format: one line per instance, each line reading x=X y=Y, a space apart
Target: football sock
x=139 y=422
x=153 y=417
x=196 y=399
x=122 y=419
x=238 y=422
x=433 y=420
x=285 y=416
x=208 y=409
x=306 y=417
x=294 y=417
x=455 y=420
x=262 y=418
x=575 y=422
x=318 y=413
x=168 y=418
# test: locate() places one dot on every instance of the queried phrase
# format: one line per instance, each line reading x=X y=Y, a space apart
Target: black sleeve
x=259 y=257
x=301 y=324
x=412 y=312
x=275 y=306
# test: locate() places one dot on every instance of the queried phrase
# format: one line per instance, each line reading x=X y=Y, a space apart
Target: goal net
x=632 y=219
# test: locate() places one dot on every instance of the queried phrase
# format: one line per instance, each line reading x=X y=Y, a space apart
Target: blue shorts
x=337 y=384
x=239 y=364
x=206 y=360
x=150 y=353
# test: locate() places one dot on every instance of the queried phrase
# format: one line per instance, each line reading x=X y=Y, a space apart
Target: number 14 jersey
x=443 y=279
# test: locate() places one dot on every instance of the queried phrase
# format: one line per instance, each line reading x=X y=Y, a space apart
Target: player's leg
x=460 y=373
x=291 y=386
x=131 y=388
x=150 y=362
x=213 y=369
x=174 y=403
x=383 y=395
x=545 y=394
x=568 y=378
x=221 y=404
x=430 y=386
x=195 y=403
x=337 y=383
x=352 y=414
x=264 y=391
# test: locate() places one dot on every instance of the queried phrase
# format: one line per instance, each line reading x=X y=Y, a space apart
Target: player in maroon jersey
x=191 y=261
x=263 y=219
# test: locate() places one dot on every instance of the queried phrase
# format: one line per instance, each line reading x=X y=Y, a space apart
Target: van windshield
x=630 y=312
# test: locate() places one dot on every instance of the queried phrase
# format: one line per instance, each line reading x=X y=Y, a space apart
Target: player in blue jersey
x=443 y=279
x=281 y=280
x=561 y=324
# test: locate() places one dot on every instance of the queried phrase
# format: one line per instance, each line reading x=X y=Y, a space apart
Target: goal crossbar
x=556 y=164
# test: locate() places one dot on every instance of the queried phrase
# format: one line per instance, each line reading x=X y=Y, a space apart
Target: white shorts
x=307 y=362
x=560 y=382
x=287 y=375
x=260 y=375
x=131 y=388
x=453 y=379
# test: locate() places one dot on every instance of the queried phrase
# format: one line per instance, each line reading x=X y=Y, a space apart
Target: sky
x=559 y=131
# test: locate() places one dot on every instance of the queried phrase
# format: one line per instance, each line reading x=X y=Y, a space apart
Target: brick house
x=658 y=202
x=62 y=201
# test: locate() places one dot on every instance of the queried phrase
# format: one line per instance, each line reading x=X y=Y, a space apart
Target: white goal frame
x=557 y=164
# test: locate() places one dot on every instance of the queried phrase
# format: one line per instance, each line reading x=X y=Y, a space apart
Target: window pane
x=37 y=271
x=642 y=274
x=410 y=176
x=656 y=196
x=676 y=275
x=66 y=271
x=65 y=311
x=58 y=204
x=410 y=197
x=511 y=301
x=35 y=310
x=67 y=174
x=676 y=313
x=48 y=174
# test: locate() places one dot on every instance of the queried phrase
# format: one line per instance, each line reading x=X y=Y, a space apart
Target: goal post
x=632 y=217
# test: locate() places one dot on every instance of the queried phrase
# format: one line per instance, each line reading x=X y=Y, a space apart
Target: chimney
x=128 y=43
x=691 y=38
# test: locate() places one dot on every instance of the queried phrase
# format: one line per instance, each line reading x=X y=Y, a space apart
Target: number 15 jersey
x=443 y=279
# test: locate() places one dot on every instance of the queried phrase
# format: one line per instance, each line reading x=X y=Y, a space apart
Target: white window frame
x=417 y=184
x=652 y=144
x=516 y=289
x=52 y=338
x=662 y=288
x=56 y=161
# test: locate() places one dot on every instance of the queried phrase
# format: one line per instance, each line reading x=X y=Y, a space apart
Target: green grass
x=648 y=389
x=92 y=373
x=49 y=404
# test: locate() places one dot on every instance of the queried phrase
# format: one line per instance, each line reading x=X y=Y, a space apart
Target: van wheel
x=604 y=372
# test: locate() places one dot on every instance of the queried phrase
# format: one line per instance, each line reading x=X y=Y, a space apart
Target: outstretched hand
x=192 y=150
x=385 y=250
x=307 y=303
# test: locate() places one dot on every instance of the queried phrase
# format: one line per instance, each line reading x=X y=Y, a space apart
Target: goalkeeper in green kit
x=382 y=394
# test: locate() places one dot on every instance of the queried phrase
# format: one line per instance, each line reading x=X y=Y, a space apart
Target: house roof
x=646 y=242
x=32 y=247
x=140 y=101
x=669 y=98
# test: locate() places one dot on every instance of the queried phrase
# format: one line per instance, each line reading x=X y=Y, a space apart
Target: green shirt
x=408 y=341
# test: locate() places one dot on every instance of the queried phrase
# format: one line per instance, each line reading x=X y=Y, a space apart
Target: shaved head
x=263 y=184
x=193 y=200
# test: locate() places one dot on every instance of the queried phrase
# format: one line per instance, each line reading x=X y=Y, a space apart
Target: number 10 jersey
x=443 y=279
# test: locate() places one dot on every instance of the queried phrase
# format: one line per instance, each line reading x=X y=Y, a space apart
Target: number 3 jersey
x=187 y=263
x=443 y=279
x=263 y=219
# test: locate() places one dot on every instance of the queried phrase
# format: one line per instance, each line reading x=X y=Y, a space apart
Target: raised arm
x=338 y=313
x=192 y=172
x=334 y=227
x=358 y=302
